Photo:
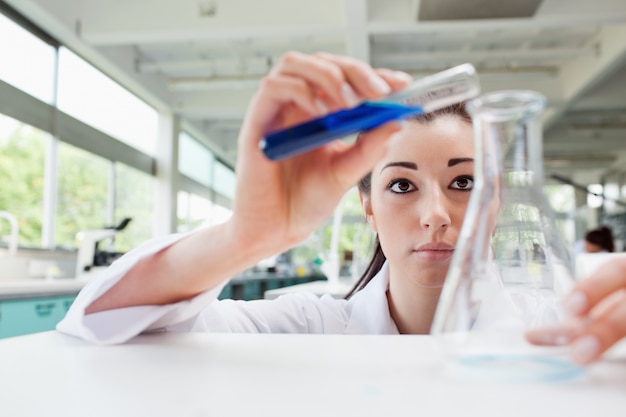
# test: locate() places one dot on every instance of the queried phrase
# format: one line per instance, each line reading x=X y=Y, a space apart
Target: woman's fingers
x=588 y=338
x=322 y=74
x=368 y=82
x=395 y=79
x=558 y=334
x=364 y=80
x=607 y=279
x=603 y=330
x=301 y=87
x=340 y=81
x=598 y=307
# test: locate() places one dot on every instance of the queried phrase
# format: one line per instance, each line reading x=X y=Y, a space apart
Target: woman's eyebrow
x=455 y=161
x=410 y=165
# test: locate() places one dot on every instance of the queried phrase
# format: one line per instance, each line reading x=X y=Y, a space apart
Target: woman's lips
x=435 y=251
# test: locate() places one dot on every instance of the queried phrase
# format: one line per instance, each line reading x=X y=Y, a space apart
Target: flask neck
x=507 y=128
x=523 y=154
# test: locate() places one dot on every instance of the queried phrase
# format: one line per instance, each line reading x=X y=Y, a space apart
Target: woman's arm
x=598 y=307
x=276 y=204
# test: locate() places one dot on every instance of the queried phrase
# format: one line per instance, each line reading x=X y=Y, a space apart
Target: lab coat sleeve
x=297 y=312
x=119 y=325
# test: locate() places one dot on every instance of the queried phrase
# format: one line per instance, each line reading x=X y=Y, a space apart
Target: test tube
x=424 y=95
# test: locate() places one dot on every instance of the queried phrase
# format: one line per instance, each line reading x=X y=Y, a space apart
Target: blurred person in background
x=599 y=240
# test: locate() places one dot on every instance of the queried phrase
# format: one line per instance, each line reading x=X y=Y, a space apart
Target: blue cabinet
x=25 y=316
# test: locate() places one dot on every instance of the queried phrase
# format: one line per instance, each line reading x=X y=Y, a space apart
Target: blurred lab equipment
x=510 y=267
x=330 y=267
x=90 y=255
x=427 y=94
x=14 y=233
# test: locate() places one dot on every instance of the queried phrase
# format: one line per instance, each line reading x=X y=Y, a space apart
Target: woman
x=418 y=189
x=415 y=200
x=599 y=240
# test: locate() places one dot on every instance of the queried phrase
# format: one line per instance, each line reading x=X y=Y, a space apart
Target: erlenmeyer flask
x=510 y=267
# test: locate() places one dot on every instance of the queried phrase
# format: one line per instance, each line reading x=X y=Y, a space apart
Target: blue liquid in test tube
x=317 y=132
x=427 y=94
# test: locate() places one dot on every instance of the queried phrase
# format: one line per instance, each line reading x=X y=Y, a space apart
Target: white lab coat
x=366 y=312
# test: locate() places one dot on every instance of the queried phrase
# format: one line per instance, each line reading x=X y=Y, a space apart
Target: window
x=199 y=205
x=612 y=194
x=356 y=238
x=86 y=197
x=595 y=201
x=224 y=182
x=562 y=199
x=219 y=214
x=195 y=211
x=22 y=154
x=134 y=198
x=194 y=160
x=27 y=61
x=90 y=96
x=82 y=193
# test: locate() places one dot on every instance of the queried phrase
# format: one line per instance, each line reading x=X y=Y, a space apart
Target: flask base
x=515 y=368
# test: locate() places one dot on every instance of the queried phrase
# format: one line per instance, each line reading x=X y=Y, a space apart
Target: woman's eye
x=463 y=183
x=401 y=186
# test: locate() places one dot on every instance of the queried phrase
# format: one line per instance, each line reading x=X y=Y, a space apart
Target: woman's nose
x=434 y=211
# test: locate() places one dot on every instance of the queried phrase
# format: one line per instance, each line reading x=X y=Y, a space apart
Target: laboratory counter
x=39 y=287
x=253 y=285
x=32 y=305
x=245 y=286
x=337 y=289
x=35 y=305
x=203 y=374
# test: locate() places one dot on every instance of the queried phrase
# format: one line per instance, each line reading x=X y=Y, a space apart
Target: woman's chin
x=431 y=274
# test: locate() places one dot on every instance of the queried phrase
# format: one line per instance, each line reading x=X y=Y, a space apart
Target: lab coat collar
x=370 y=310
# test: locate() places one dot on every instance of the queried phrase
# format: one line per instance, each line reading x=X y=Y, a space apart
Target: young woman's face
x=592 y=247
x=419 y=195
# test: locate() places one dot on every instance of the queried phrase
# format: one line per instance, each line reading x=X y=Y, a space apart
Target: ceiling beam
x=242 y=66
x=582 y=74
x=532 y=24
x=509 y=55
x=168 y=21
x=194 y=111
x=183 y=35
x=214 y=84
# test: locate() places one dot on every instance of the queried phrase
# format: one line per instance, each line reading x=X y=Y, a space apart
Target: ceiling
x=204 y=58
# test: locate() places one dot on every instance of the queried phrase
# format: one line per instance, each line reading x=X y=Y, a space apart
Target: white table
x=196 y=375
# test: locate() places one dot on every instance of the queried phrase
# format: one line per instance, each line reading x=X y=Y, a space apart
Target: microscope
x=90 y=255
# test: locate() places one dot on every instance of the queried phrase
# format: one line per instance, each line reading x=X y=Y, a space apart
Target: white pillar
x=167 y=177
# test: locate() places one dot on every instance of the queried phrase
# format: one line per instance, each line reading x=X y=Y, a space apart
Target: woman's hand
x=277 y=204
x=598 y=307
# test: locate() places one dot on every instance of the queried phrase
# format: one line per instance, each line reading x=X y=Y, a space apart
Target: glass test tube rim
x=463 y=77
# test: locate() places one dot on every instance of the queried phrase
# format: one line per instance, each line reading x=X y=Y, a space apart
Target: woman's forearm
x=198 y=262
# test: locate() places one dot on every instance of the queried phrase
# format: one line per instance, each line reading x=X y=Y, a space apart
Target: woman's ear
x=366 y=204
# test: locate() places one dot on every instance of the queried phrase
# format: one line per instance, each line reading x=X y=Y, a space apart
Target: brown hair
x=602 y=237
x=365 y=184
